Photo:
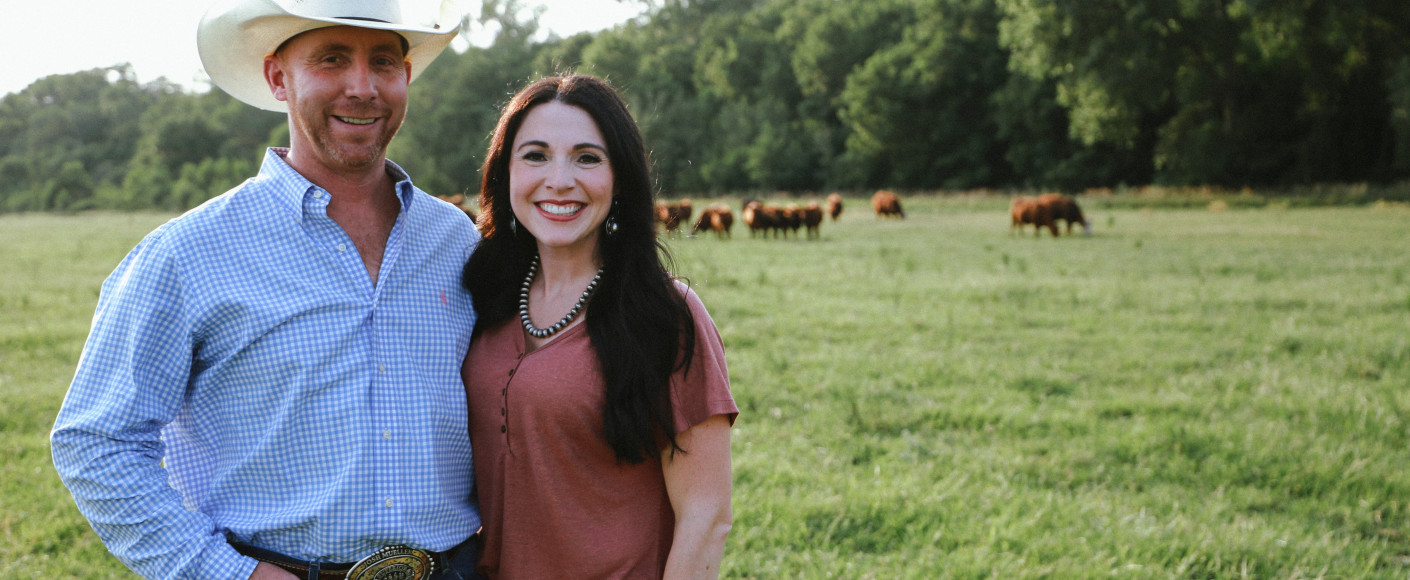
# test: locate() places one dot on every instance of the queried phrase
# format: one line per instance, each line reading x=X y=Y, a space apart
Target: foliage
x=818 y=95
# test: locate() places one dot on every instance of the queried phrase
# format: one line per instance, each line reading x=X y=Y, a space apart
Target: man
x=271 y=385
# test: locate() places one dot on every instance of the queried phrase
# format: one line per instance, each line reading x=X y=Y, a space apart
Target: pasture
x=1185 y=394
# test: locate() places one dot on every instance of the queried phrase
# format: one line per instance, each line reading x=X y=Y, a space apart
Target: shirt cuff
x=220 y=560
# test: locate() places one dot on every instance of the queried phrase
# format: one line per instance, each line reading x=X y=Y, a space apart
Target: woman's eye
x=535 y=156
x=589 y=159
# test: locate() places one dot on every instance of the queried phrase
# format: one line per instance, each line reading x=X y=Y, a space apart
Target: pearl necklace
x=567 y=318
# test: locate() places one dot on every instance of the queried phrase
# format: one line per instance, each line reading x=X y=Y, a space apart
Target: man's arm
x=106 y=442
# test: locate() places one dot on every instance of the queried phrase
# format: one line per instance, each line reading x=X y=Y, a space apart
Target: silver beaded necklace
x=567 y=318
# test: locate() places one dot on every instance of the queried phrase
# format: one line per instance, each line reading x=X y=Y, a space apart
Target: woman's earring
x=513 y=227
x=610 y=226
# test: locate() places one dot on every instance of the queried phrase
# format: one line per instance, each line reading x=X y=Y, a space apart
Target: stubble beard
x=351 y=154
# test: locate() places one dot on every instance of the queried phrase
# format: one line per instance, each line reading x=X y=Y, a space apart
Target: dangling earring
x=611 y=225
x=513 y=227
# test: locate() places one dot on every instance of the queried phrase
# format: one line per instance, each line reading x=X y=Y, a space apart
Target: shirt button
x=342 y=248
x=511 y=372
x=502 y=412
x=381 y=368
x=502 y=429
x=387 y=434
x=389 y=502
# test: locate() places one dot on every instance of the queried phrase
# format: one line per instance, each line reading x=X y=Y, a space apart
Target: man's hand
x=271 y=572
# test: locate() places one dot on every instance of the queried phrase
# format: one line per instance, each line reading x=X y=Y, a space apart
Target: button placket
x=504 y=395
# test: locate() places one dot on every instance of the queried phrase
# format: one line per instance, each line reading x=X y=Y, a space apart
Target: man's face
x=346 y=90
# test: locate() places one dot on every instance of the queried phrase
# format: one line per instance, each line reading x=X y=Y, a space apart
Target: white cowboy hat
x=236 y=35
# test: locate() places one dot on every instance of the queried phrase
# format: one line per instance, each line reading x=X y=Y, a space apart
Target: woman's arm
x=698 y=483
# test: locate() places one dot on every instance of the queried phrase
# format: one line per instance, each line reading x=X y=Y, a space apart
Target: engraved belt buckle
x=394 y=563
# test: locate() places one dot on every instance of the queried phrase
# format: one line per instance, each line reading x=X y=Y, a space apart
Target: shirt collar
x=292 y=189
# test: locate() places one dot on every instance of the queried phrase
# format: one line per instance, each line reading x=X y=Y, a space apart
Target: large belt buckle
x=394 y=563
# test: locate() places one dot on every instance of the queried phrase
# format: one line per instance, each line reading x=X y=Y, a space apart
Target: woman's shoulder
x=693 y=301
x=691 y=298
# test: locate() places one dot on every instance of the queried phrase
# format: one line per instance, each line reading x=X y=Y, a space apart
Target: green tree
x=919 y=111
x=454 y=106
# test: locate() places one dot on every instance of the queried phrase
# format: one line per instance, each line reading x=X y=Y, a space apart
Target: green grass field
x=1185 y=394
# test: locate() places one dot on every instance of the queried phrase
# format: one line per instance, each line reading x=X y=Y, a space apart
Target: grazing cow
x=763 y=219
x=834 y=205
x=672 y=215
x=1063 y=207
x=1026 y=210
x=716 y=218
x=812 y=218
x=886 y=205
x=458 y=200
x=791 y=218
x=754 y=217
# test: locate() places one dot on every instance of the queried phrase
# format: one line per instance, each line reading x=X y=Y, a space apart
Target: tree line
x=813 y=95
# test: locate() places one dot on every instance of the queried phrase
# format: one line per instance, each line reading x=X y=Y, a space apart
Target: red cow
x=718 y=219
x=834 y=205
x=672 y=215
x=1063 y=207
x=764 y=219
x=1026 y=210
x=887 y=204
x=812 y=219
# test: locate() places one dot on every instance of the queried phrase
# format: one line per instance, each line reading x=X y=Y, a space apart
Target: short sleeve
x=702 y=390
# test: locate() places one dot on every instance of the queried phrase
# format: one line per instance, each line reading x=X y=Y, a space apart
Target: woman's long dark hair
x=638 y=322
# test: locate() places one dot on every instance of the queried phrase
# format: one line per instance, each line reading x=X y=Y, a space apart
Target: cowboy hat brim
x=235 y=35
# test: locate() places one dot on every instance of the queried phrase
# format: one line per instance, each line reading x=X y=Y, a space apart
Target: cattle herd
x=767 y=220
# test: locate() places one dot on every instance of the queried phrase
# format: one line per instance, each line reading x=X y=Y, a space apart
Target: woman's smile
x=561 y=209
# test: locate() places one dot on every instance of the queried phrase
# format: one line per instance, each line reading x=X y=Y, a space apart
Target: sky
x=158 y=37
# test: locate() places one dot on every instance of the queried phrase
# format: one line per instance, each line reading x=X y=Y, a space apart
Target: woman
x=599 y=399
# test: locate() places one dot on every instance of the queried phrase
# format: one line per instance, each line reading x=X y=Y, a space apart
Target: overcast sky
x=46 y=37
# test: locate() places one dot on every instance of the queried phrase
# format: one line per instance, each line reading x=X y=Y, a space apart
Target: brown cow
x=812 y=218
x=758 y=220
x=672 y=215
x=791 y=218
x=764 y=219
x=1026 y=210
x=716 y=218
x=886 y=205
x=1063 y=207
x=834 y=205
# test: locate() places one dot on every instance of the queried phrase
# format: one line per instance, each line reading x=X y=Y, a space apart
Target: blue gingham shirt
x=245 y=381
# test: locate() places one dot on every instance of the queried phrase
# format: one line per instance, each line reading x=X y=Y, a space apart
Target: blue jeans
x=459 y=562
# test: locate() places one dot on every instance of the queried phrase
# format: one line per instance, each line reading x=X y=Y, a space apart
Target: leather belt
x=401 y=562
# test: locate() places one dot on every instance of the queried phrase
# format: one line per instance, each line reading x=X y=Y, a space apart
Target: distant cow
x=886 y=205
x=834 y=205
x=812 y=218
x=672 y=215
x=458 y=200
x=1024 y=210
x=716 y=218
x=763 y=219
x=791 y=218
x=1065 y=208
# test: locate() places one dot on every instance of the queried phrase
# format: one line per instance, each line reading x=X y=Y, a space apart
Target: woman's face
x=560 y=181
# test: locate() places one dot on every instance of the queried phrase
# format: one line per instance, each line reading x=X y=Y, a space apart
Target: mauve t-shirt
x=555 y=501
